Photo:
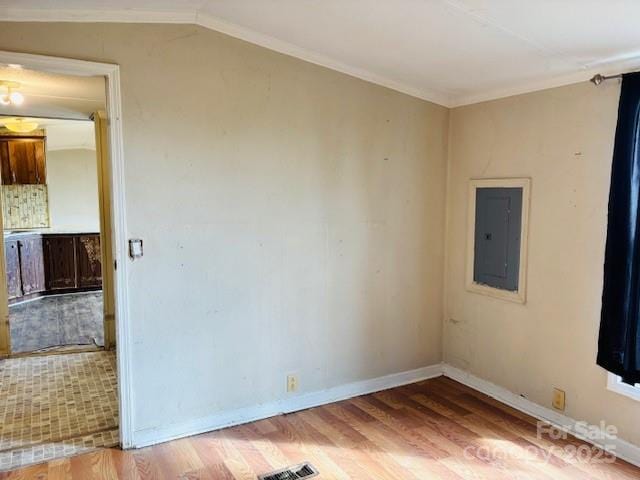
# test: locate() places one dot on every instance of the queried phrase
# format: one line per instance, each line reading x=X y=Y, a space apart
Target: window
x=497 y=234
x=615 y=384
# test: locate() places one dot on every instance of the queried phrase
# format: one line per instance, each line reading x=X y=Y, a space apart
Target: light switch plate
x=135 y=248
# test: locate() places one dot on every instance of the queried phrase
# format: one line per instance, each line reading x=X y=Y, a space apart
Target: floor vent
x=304 y=470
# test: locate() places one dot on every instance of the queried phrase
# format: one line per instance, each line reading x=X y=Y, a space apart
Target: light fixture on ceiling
x=11 y=96
x=20 y=125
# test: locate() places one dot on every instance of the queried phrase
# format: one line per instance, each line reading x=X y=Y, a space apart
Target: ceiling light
x=12 y=96
x=16 y=98
x=20 y=125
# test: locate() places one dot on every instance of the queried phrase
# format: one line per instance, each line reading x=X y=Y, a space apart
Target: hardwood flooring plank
x=394 y=448
x=124 y=465
x=432 y=430
x=296 y=437
x=464 y=442
x=435 y=401
x=147 y=467
x=242 y=440
x=360 y=446
x=346 y=452
x=35 y=472
x=179 y=457
x=295 y=442
x=410 y=440
x=61 y=470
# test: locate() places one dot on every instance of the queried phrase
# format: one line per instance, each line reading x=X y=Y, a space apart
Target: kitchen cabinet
x=23 y=160
x=12 y=261
x=44 y=264
x=89 y=261
x=31 y=264
x=60 y=262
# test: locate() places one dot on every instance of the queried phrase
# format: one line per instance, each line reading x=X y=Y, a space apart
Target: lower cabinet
x=89 y=261
x=52 y=263
x=60 y=262
x=25 y=267
x=12 y=260
x=31 y=264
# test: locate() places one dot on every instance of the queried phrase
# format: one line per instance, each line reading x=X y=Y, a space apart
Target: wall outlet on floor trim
x=558 y=399
x=292 y=383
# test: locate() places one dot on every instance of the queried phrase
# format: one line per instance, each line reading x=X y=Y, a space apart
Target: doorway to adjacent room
x=51 y=218
x=59 y=392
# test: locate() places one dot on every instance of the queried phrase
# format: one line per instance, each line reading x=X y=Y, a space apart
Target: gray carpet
x=61 y=320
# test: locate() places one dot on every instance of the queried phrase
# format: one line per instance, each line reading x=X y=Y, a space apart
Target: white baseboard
x=142 y=438
x=151 y=436
x=621 y=448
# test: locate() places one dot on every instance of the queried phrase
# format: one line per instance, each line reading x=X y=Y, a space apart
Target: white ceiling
x=69 y=134
x=453 y=52
x=53 y=95
x=63 y=134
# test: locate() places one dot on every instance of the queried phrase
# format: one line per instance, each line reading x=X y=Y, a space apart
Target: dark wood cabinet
x=23 y=160
x=42 y=264
x=60 y=262
x=89 y=261
x=12 y=260
x=31 y=264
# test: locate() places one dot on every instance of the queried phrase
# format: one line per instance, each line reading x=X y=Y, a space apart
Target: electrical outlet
x=292 y=383
x=558 y=399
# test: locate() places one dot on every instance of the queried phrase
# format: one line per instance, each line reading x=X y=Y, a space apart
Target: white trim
x=237 y=31
x=121 y=293
x=520 y=295
x=621 y=448
x=541 y=84
x=123 y=334
x=10 y=14
x=78 y=146
x=213 y=23
x=151 y=436
x=615 y=384
x=625 y=62
x=621 y=64
x=165 y=433
x=582 y=73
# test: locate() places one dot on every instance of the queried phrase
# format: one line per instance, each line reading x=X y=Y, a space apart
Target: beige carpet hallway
x=56 y=405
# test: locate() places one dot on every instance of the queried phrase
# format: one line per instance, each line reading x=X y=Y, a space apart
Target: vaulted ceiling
x=452 y=52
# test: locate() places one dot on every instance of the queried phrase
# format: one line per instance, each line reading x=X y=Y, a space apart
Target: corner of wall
x=445 y=269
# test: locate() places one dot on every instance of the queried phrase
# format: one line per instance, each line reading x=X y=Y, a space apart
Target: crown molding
x=605 y=68
x=621 y=63
x=213 y=23
x=10 y=14
x=280 y=46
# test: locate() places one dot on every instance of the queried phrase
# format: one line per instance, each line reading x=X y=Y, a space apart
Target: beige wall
x=293 y=222
x=563 y=140
x=72 y=179
x=292 y=218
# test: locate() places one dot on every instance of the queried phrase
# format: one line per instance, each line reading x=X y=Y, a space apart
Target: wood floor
x=437 y=429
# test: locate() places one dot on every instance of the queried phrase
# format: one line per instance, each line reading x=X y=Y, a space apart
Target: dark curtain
x=619 y=342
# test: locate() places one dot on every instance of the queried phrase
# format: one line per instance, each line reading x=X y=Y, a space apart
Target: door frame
x=111 y=73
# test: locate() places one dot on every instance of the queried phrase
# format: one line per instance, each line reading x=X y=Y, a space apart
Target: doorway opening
x=60 y=165
x=52 y=236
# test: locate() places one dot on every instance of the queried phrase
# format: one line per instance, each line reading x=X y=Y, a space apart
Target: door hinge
x=115 y=264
